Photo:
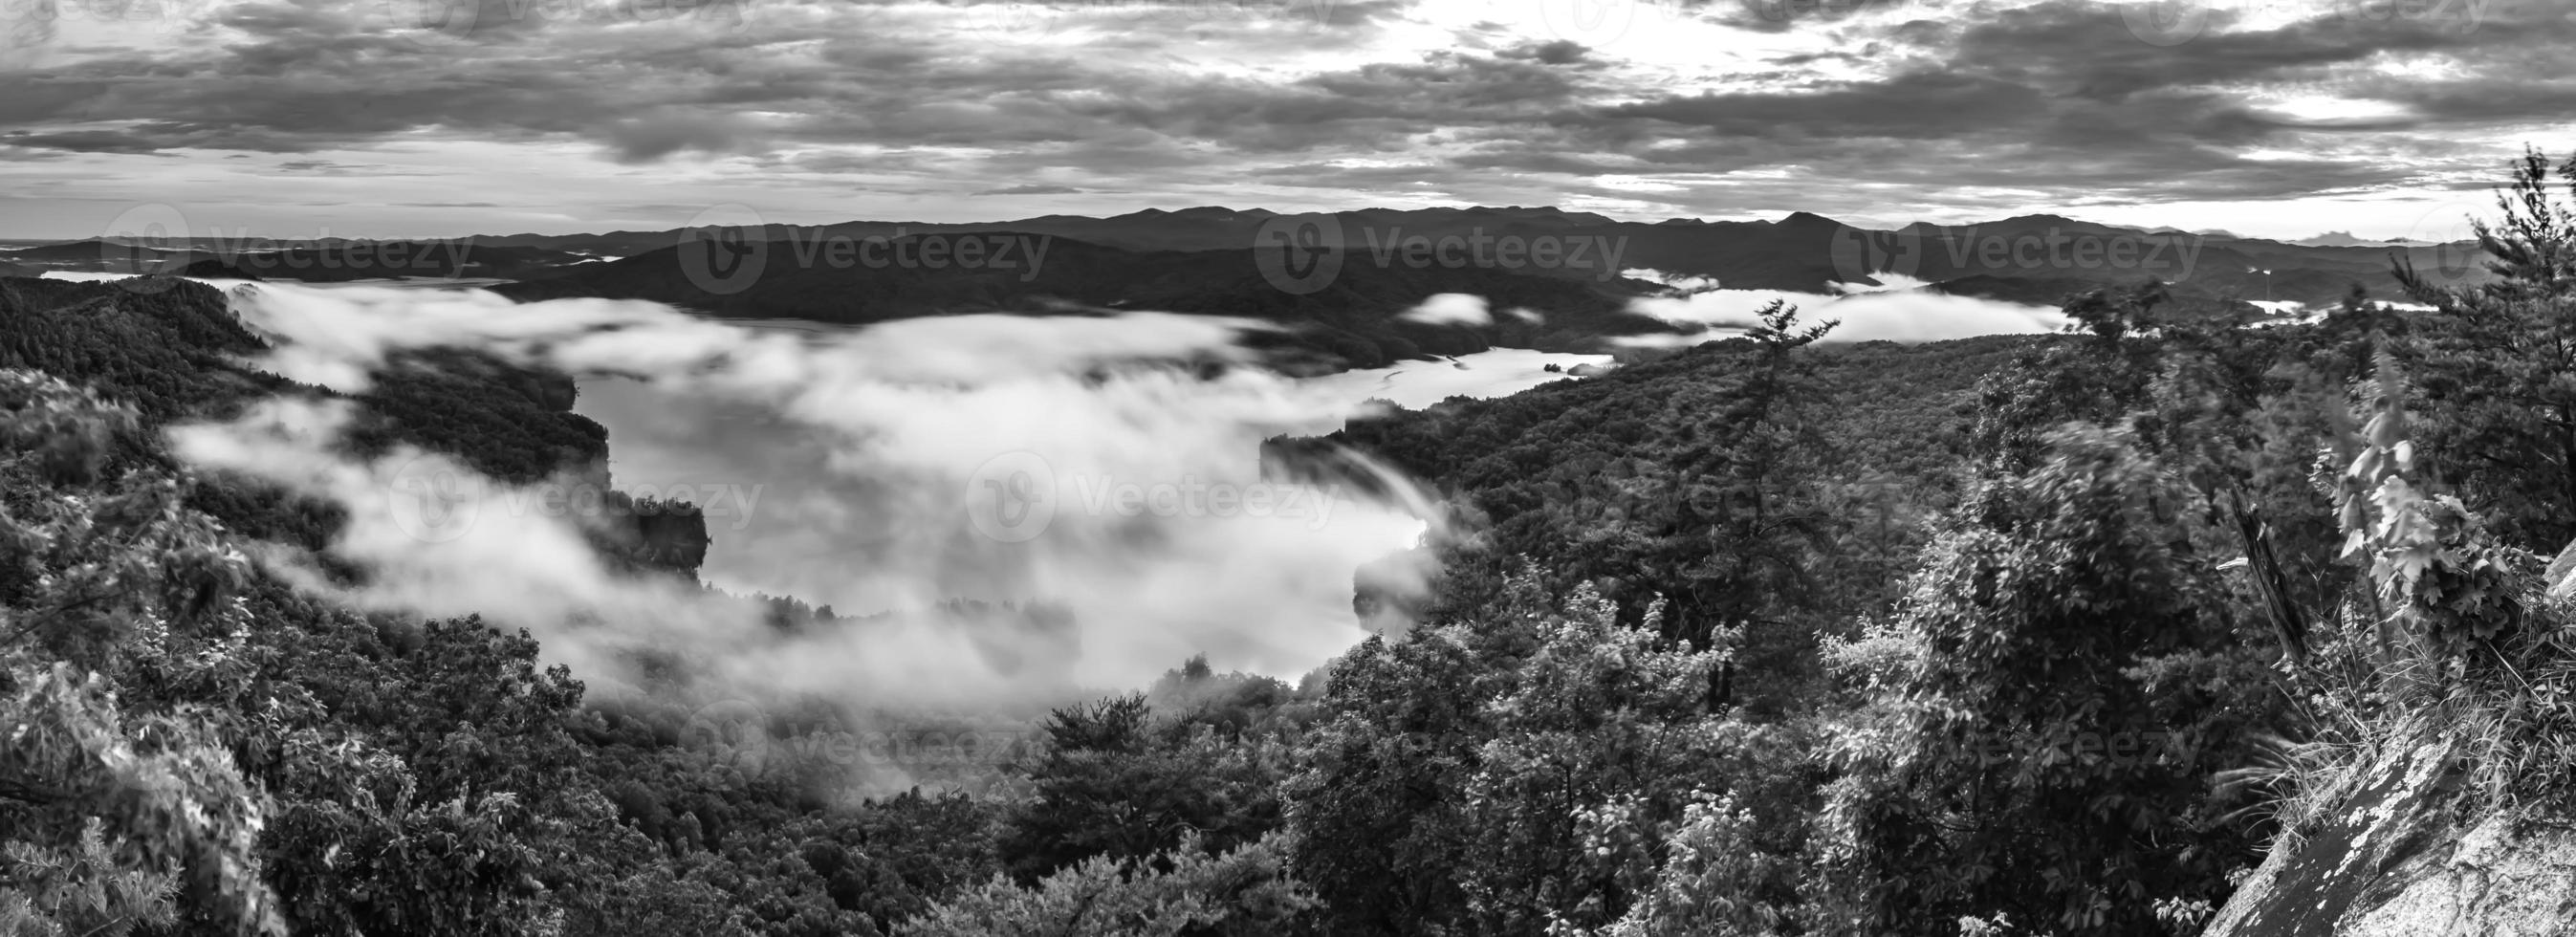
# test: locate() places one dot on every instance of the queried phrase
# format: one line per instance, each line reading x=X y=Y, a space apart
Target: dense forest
x=2017 y=635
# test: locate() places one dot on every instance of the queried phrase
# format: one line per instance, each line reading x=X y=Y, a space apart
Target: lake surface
x=1414 y=385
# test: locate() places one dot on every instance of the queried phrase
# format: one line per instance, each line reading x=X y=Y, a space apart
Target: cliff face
x=661 y=535
x=172 y=348
x=2394 y=857
x=2500 y=878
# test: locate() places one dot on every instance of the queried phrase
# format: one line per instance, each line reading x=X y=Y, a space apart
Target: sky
x=401 y=118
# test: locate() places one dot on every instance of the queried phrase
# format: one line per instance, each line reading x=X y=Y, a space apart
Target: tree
x=1116 y=782
x=114 y=808
x=2496 y=365
x=1460 y=773
x=1242 y=892
x=2045 y=713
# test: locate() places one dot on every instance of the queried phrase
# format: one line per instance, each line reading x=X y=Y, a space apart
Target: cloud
x=1901 y=310
x=1105 y=466
x=1682 y=283
x=1492 y=373
x=1878 y=110
x=1032 y=190
x=83 y=141
x=1450 y=309
x=652 y=137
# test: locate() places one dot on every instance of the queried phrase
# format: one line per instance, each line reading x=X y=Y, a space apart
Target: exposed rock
x=2558 y=578
x=2394 y=858
x=2501 y=878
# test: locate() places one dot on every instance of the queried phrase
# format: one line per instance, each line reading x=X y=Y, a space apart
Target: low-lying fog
x=1086 y=464
x=1076 y=462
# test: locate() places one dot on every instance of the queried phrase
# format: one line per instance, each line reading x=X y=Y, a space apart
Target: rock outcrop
x=2395 y=856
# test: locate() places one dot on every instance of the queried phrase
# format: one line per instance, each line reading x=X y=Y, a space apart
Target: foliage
x=1243 y=892
x=2008 y=635
x=2496 y=364
x=1457 y=771
x=106 y=796
x=2045 y=711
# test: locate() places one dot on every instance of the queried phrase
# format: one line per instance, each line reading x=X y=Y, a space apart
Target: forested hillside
x=1355 y=317
x=2018 y=635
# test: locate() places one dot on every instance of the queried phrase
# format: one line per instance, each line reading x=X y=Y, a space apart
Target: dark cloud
x=648 y=138
x=1033 y=190
x=1775 y=16
x=1939 y=102
x=83 y=141
x=1560 y=52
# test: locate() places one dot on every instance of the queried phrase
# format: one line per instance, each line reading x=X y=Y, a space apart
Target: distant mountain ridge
x=1209 y=259
x=1357 y=317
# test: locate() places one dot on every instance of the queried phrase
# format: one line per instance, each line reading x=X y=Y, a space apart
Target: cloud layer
x=1102 y=467
x=1900 y=310
x=618 y=114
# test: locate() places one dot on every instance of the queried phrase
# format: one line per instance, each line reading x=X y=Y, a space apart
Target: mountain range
x=1385 y=262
